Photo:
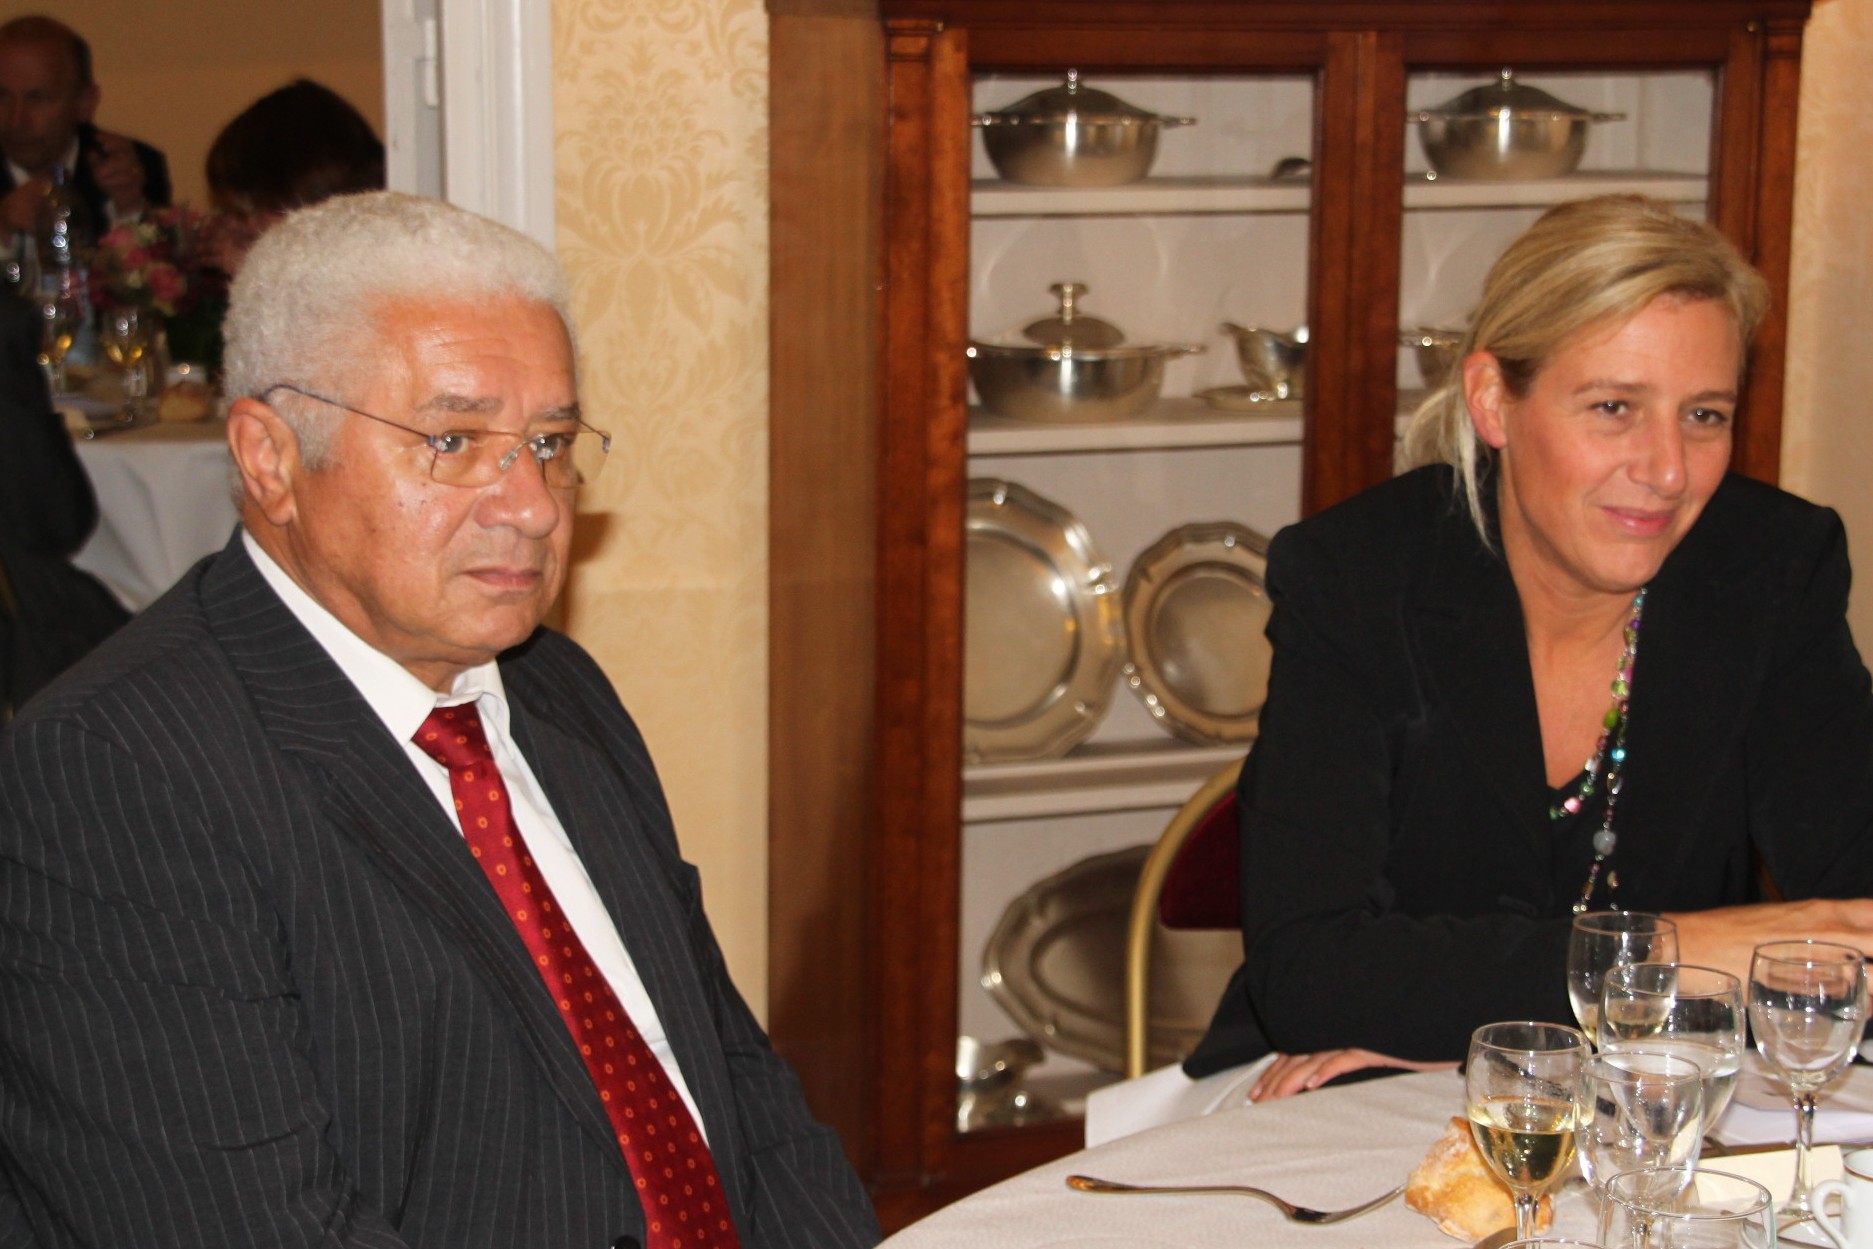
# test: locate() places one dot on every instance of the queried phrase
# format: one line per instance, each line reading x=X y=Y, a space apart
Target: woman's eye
x=1709 y=416
x=1612 y=407
x=451 y=443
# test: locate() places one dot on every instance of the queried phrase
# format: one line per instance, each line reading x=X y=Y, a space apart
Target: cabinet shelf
x=1182 y=421
x=1201 y=195
x=1121 y=776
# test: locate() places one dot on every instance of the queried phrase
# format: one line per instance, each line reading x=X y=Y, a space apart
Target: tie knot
x=453 y=737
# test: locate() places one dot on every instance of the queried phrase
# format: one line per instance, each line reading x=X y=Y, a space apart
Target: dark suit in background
x=156 y=189
x=1402 y=881
x=50 y=612
x=247 y=971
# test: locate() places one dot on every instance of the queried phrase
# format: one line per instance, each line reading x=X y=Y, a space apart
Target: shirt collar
x=69 y=160
x=400 y=700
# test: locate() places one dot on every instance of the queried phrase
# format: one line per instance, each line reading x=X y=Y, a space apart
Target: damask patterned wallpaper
x=1827 y=448
x=661 y=149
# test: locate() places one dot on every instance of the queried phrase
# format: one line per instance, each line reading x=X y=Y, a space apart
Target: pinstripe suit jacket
x=253 y=991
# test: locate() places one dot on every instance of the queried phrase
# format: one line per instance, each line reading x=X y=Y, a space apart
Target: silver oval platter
x=1195 y=611
x=1042 y=643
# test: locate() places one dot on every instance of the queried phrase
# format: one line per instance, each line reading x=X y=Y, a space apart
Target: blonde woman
x=1571 y=575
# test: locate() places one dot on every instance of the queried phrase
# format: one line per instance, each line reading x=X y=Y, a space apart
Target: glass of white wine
x=1807 y=1007
x=1603 y=940
x=1526 y=1100
x=124 y=335
x=1678 y=1008
x=60 y=313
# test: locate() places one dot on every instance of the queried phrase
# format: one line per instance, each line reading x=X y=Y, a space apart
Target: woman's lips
x=1640 y=522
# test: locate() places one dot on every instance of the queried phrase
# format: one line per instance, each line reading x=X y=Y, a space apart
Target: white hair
x=305 y=307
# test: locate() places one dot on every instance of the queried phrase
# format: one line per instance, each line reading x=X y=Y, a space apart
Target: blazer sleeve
x=804 y=1194
x=1331 y=959
x=150 y=1027
x=1809 y=740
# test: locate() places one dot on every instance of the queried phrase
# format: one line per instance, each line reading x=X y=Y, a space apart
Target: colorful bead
x=1608 y=763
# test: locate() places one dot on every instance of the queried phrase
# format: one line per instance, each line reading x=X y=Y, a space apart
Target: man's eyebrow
x=480 y=405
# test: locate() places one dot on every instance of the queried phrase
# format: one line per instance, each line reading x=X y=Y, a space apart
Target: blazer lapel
x=1466 y=635
x=310 y=710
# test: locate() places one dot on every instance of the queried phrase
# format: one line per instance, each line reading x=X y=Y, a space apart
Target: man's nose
x=521 y=498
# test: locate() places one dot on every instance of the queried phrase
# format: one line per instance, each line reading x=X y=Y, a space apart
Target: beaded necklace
x=1607 y=765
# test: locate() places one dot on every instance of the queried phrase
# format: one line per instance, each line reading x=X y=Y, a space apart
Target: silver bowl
x=1435 y=350
x=1069 y=384
x=1073 y=135
x=1274 y=362
x=1506 y=130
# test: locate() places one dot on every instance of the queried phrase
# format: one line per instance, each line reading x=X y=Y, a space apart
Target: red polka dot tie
x=676 y=1179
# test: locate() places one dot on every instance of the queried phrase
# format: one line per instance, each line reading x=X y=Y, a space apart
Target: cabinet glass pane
x=1210 y=236
x=1455 y=227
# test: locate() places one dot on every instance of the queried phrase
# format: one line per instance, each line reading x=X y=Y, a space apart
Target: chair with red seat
x=1190 y=881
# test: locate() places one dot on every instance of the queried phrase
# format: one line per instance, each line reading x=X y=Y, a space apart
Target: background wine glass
x=1643 y=1112
x=1807 y=1006
x=1686 y=1208
x=124 y=336
x=1677 y=1008
x=1603 y=940
x=61 y=313
x=1522 y=1089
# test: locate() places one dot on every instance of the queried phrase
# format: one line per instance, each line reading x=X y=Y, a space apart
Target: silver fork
x=1298 y=1214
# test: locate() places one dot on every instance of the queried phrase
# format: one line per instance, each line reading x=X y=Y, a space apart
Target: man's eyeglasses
x=478 y=457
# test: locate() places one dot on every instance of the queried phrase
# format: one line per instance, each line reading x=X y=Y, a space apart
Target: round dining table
x=1329 y=1149
x=163 y=503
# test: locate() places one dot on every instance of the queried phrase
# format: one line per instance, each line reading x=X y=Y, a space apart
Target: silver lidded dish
x=1070 y=368
x=1506 y=130
x=1073 y=135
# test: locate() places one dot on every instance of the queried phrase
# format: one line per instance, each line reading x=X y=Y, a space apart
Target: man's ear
x=266 y=454
x=1486 y=394
x=88 y=98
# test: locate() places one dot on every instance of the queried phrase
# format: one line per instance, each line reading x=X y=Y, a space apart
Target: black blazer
x=1402 y=883
x=254 y=991
x=156 y=190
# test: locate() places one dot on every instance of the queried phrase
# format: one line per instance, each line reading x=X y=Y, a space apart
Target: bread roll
x=1454 y=1187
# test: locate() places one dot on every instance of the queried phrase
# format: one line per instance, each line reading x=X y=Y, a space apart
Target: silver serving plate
x=1042 y=643
x=1195 y=612
x=1056 y=964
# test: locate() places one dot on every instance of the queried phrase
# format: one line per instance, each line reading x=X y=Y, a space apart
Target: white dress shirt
x=402 y=702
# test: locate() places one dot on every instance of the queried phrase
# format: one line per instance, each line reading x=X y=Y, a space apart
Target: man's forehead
x=42 y=59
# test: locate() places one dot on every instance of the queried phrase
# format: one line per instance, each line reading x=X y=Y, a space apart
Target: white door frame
x=468 y=88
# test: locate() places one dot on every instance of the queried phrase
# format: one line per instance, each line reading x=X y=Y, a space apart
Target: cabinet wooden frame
x=870 y=238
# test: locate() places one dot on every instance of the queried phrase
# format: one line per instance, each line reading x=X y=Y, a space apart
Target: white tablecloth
x=1327 y=1149
x=163 y=503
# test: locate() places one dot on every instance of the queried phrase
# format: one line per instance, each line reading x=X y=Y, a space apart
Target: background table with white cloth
x=1328 y=1149
x=163 y=503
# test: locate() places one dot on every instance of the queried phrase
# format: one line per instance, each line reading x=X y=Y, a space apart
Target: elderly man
x=339 y=902
x=47 y=99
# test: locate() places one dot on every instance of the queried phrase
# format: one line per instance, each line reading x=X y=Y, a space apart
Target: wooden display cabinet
x=873 y=213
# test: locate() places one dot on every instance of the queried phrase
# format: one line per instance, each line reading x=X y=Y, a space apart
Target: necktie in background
x=684 y=1207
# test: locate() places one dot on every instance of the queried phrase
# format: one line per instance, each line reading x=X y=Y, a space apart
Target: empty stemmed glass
x=1524 y=1095
x=1643 y=1112
x=1807 y=1006
x=1686 y=1208
x=1603 y=940
x=1677 y=1008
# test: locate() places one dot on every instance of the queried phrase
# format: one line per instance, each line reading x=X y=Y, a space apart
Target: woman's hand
x=1725 y=937
x=1297 y=1073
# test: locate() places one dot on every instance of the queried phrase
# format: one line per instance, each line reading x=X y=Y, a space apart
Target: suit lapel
x=1466 y=635
x=311 y=711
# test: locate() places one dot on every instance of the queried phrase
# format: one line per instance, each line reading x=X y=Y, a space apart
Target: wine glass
x=1685 y=1207
x=1603 y=940
x=1523 y=1092
x=1677 y=1008
x=1643 y=1112
x=1807 y=1005
x=61 y=312
x=124 y=335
